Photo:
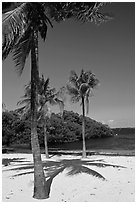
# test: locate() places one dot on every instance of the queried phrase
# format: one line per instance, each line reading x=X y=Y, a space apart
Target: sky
x=107 y=50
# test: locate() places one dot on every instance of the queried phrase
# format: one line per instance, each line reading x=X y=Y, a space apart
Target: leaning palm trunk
x=45 y=141
x=83 y=128
x=40 y=185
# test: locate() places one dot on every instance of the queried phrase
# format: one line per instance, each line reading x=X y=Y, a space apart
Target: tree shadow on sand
x=73 y=167
x=7 y=161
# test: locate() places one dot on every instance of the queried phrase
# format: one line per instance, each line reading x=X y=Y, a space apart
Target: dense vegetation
x=59 y=129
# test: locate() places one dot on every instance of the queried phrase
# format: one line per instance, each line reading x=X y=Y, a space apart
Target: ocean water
x=118 y=142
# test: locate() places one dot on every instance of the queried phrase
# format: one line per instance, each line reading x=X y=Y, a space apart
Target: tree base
x=84 y=155
x=40 y=194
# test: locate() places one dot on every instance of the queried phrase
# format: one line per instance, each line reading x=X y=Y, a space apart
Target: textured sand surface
x=119 y=185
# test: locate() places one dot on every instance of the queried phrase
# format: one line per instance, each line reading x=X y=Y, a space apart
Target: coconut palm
x=80 y=88
x=21 y=27
x=20 y=35
x=46 y=96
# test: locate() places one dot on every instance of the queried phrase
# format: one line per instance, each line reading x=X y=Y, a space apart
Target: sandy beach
x=71 y=178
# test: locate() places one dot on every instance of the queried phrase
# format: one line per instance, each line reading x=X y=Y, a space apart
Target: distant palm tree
x=46 y=96
x=80 y=88
x=21 y=26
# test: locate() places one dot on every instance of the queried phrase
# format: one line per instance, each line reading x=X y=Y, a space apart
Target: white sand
x=119 y=186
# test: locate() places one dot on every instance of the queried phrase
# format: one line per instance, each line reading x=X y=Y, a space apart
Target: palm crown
x=46 y=95
x=18 y=27
x=81 y=86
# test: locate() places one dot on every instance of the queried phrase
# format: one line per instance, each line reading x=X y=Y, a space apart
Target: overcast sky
x=108 y=50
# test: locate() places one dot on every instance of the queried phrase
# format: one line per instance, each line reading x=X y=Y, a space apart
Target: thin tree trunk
x=83 y=129
x=45 y=141
x=40 y=185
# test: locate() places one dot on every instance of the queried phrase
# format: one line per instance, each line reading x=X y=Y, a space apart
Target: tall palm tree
x=21 y=27
x=20 y=35
x=80 y=88
x=46 y=96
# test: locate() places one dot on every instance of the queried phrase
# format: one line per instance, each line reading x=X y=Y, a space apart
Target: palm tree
x=80 y=88
x=21 y=27
x=46 y=96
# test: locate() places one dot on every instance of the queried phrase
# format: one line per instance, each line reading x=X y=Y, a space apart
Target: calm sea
x=119 y=142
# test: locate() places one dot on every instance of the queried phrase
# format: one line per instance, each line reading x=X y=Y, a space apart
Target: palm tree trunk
x=45 y=141
x=83 y=129
x=40 y=185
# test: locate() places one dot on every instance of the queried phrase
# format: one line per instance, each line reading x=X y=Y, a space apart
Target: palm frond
x=71 y=90
x=90 y=13
x=92 y=80
x=14 y=25
x=20 y=110
x=74 y=93
x=75 y=99
x=43 y=26
x=73 y=79
x=46 y=85
x=25 y=111
x=21 y=51
x=61 y=94
x=8 y=6
x=61 y=105
x=24 y=101
x=81 y=79
x=81 y=11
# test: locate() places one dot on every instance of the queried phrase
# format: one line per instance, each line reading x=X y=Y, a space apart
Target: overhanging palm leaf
x=14 y=25
x=22 y=50
x=82 y=11
x=18 y=26
x=91 y=14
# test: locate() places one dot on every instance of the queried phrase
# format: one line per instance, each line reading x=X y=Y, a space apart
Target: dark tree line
x=59 y=129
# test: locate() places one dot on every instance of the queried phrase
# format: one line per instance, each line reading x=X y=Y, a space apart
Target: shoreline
x=55 y=151
x=104 y=152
